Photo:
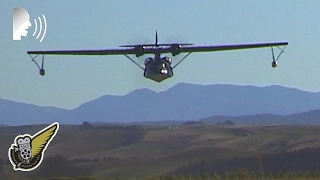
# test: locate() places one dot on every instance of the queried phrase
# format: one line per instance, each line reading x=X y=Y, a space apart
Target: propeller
x=176 y=39
x=140 y=39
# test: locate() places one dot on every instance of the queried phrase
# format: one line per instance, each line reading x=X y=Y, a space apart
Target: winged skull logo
x=27 y=152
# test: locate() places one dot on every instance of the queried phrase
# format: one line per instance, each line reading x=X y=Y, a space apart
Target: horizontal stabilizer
x=152 y=45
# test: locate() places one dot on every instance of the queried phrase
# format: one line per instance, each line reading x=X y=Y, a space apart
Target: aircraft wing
x=165 y=49
x=209 y=48
x=86 y=52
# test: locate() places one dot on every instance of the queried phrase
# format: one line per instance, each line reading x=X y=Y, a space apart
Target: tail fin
x=156 y=43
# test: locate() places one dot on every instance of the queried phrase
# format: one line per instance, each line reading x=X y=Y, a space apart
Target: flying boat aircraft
x=158 y=68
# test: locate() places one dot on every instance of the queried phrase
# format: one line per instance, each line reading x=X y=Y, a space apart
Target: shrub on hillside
x=85 y=126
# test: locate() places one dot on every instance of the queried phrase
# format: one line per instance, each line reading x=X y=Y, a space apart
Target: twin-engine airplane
x=159 y=68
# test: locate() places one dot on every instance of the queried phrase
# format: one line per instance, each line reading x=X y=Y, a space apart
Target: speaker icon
x=21 y=24
x=40 y=28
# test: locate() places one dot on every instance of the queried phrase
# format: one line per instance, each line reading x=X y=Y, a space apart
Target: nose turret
x=158 y=71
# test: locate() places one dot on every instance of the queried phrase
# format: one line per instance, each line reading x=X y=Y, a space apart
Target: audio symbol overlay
x=40 y=29
x=21 y=24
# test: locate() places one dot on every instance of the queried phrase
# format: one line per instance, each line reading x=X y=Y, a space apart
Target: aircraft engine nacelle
x=167 y=59
x=274 y=64
x=139 y=50
x=175 y=49
x=147 y=61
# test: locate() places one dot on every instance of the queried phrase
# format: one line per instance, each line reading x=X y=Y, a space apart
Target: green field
x=145 y=151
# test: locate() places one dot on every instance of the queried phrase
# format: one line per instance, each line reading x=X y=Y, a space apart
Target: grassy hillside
x=140 y=151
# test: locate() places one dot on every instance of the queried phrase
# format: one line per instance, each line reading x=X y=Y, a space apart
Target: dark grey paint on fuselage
x=158 y=70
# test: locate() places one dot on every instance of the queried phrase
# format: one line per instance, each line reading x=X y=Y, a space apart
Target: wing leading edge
x=153 y=50
x=85 y=52
x=209 y=48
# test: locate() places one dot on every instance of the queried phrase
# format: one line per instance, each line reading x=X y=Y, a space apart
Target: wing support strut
x=42 y=72
x=181 y=60
x=275 y=60
x=133 y=61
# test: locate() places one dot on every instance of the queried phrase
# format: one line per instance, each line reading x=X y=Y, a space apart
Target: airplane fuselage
x=158 y=68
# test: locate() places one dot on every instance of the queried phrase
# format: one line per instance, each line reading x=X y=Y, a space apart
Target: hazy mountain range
x=181 y=102
x=309 y=117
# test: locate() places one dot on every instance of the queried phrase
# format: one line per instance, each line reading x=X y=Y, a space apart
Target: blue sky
x=73 y=80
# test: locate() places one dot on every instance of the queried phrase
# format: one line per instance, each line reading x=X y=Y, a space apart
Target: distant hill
x=181 y=102
x=310 y=117
x=144 y=123
x=187 y=101
x=16 y=113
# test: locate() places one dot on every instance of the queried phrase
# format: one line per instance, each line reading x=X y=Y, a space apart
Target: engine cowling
x=147 y=61
x=139 y=50
x=175 y=49
x=167 y=59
